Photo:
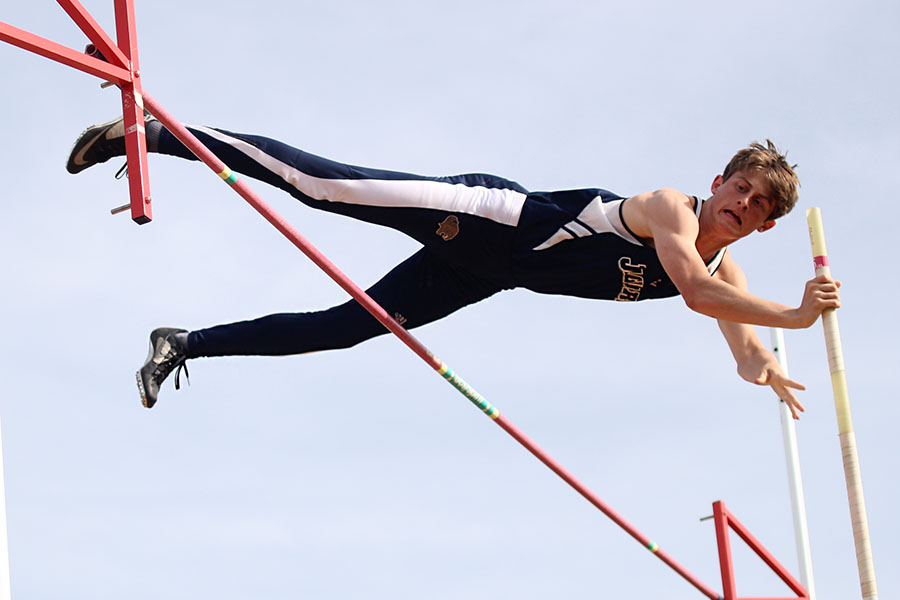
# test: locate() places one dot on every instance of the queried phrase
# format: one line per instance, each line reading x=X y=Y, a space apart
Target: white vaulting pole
x=852 y=474
x=795 y=480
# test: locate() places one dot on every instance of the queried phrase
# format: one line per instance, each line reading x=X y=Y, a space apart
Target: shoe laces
x=172 y=360
x=187 y=375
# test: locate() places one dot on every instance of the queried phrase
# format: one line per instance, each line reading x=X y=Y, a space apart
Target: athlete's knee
x=486 y=180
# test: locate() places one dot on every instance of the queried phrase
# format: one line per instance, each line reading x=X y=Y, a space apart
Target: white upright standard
x=795 y=480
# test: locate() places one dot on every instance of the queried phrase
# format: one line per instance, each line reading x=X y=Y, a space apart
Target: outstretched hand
x=764 y=369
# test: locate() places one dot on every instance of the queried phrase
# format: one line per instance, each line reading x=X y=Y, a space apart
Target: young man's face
x=741 y=205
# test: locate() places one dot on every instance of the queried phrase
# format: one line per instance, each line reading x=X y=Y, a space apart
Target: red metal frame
x=118 y=64
x=725 y=521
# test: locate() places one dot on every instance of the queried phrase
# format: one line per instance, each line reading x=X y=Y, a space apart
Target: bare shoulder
x=645 y=212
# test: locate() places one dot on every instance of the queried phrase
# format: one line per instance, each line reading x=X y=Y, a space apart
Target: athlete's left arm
x=755 y=363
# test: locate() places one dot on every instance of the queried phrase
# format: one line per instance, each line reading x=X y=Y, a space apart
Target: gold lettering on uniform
x=632 y=280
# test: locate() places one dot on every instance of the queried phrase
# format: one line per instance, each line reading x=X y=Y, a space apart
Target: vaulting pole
x=222 y=170
x=852 y=473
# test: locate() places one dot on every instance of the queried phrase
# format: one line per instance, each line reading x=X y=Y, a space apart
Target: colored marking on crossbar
x=229 y=176
x=652 y=547
x=468 y=391
x=820 y=261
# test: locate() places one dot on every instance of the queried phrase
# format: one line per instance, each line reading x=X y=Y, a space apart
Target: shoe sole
x=140 y=385
x=140 y=382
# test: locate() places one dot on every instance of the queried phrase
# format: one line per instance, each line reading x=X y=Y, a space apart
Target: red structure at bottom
x=726 y=521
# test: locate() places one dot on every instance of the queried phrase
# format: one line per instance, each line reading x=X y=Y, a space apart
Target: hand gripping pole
x=845 y=424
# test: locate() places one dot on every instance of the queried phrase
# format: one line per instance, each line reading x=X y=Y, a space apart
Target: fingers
x=823 y=293
x=827 y=286
x=825 y=279
x=824 y=282
x=782 y=387
x=794 y=384
x=790 y=399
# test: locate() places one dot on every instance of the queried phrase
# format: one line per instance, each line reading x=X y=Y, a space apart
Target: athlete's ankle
x=153 y=129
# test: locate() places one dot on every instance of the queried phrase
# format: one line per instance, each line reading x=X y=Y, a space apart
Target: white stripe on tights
x=499 y=205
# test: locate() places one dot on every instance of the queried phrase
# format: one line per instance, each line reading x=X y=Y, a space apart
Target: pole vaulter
x=118 y=65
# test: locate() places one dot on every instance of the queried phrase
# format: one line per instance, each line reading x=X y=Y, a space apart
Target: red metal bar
x=95 y=33
x=126 y=32
x=213 y=162
x=726 y=565
x=725 y=521
x=136 y=155
x=133 y=111
x=63 y=54
x=766 y=556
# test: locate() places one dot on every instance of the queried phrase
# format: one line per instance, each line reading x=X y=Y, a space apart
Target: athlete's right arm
x=755 y=363
x=668 y=218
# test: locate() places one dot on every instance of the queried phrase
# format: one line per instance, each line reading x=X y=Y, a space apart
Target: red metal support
x=725 y=523
x=133 y=110
x=95 y=33
x=63 y=54
x=116 y=63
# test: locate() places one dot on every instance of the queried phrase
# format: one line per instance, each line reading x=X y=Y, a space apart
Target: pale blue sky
x=360 y=474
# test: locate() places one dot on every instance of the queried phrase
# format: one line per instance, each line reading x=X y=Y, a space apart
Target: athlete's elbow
x=697 y=301
x=690 y=298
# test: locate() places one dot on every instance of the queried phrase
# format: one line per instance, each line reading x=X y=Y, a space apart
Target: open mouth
x=734 y=216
